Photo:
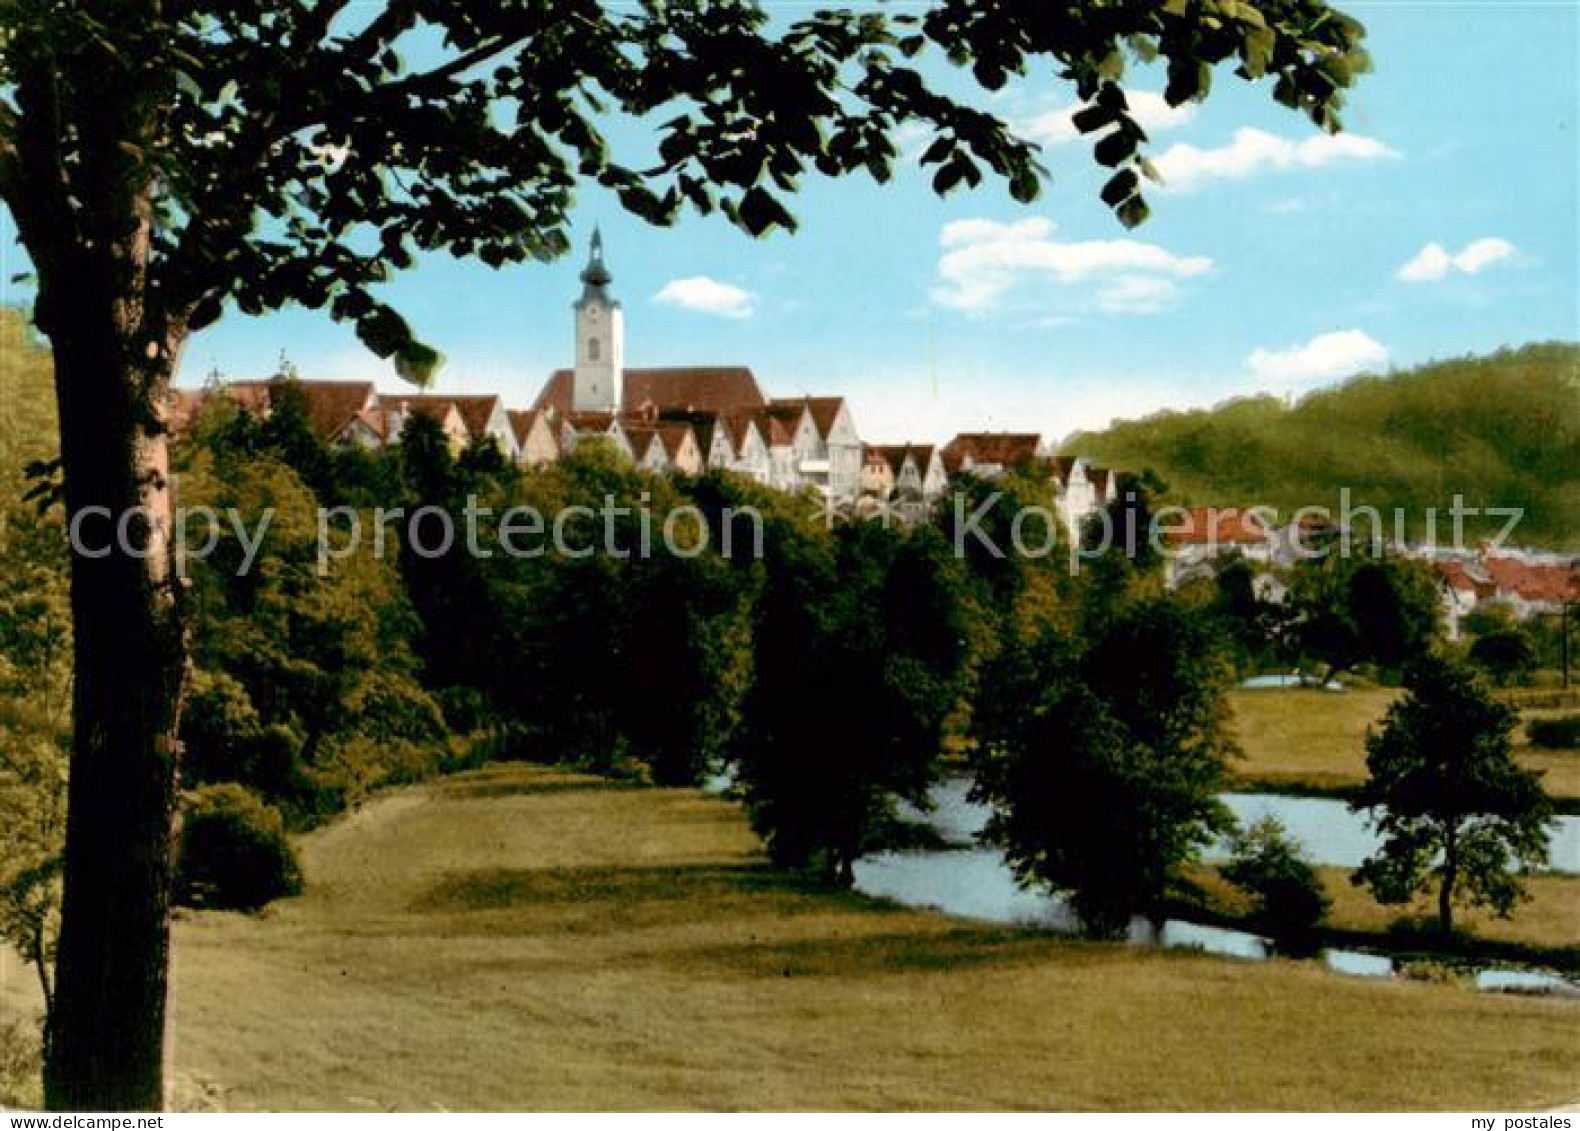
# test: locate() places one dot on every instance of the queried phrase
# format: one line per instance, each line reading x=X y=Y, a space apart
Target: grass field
x=1548 y=922
x=518 y=937
x=1307 y=740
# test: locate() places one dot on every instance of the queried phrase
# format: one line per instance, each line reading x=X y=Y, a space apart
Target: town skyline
x=1441 y=223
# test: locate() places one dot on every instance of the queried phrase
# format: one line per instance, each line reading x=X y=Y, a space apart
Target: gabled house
x=486 y=416
x=991 y=453
x=752 y=457
x=535 y=440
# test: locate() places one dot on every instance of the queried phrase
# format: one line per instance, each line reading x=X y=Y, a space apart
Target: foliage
x=21 y=1061
x=35 y=670
x=291 y=665
x=859 y=654
x=1409 y=440
x=1266 y=864
x=1356 y=608
x=1105 y=784
x=234 y=852
x=1559 y=733
x=1506 y=656
x=1455 y=811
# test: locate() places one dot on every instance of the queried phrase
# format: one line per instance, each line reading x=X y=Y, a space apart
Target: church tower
x=600 y=339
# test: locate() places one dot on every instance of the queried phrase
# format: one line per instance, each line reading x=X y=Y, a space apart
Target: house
x=991 y=453
x=911 y=477
x=536 y=444
x=1525 y=585
x=340 y=413
x=826 y=447
x=751 y=457
x=1195 y=542
x=396 y=410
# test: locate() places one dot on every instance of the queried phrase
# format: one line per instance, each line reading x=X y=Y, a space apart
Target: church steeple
x=600 y=338
x=595 y=275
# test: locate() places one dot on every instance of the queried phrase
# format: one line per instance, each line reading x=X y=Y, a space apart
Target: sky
x=1444 y=221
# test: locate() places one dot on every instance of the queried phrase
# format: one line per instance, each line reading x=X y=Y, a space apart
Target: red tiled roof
x=738 y=425
x=702 y=423
x=331 y=406
x=673 y=434
x=1217 y=526
x=893 y=455
x=437 y=409
x=1003 y=448
x=522 y=422
x=591 y=421
x=476 y=411
x=1533 y=581
x=641 y=437
x=716 y=388
x=824 y=410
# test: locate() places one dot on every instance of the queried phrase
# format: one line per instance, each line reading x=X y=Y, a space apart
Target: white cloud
x=1337 y=354
x=1137 y=294
x=707 y=296
x=1151 y=112
x=985 y=260
x=1434 y=262
x=1253 y=151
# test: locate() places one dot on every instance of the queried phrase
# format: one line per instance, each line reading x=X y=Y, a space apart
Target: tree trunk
x=107 y=1029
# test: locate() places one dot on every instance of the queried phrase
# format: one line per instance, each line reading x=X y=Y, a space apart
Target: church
x=692 y=418
x=683 y=420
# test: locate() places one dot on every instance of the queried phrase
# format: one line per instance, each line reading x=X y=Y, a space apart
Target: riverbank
x=1543 y=933
x=1308 y=742
x=519 y=937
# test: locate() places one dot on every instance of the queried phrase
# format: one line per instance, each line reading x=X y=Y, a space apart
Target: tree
x=1290 y=901
x=166 y=161
x=1352 y=609
x=1455 y=811
x=860 y=649
x=1106 y=788
x=1506 y=655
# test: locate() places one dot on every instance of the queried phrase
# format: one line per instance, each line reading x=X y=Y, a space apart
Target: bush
x=1558 y=733
x=1506 y=655
x=234 y=853
x=1266 y=865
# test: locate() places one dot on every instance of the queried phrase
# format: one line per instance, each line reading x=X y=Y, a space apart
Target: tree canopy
x=166 y=160
x=1456 y=813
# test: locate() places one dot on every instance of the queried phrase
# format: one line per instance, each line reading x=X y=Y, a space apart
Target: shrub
x=1505 y=655
x=1558 y=733
x=234 y=853
x=1266 y=865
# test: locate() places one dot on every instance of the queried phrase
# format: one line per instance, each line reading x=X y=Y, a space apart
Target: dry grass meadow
x=523 y=938
x=1307 y=739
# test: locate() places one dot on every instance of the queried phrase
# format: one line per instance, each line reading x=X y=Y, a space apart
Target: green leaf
x=418 y=363
x=1133 y=212
x=757 y=212
x=1120 y=186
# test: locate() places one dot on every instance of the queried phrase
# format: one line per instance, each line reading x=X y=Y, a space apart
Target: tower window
x=592 y=349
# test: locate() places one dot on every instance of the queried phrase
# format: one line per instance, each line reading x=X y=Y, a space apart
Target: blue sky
x=1444 y=222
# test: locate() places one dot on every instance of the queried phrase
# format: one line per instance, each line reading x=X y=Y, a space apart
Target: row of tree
x=830 y=673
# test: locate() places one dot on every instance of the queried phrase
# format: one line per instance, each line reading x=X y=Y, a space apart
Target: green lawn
x=518 y=937
x=1306 y=740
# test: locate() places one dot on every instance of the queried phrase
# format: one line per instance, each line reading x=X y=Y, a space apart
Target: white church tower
x=600 y=339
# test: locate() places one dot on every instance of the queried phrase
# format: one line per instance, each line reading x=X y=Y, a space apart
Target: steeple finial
x=595 y=274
